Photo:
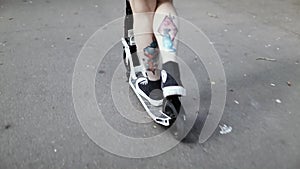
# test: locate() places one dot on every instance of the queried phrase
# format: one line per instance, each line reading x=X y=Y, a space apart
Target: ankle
x=172 y=69
x=153 y=76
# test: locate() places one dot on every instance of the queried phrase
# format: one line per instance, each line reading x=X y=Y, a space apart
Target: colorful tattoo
x=168 y=30
x=151 y=61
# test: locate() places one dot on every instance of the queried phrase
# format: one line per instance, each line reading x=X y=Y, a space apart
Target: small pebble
x=213 y=83
x=101 y=71
x=212 y=15
x=154 y=126
x=268 y=45
x=277 y=48
x=205 y=150
x=7 y=126
x=289 y=83
x=272 y=84
x=236 y=102
x=249 y=36
x=55 y=150
x=278 y=101
x=287 y=18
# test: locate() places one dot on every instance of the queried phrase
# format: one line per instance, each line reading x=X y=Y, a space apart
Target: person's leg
x=147 y=50
x=165 y=26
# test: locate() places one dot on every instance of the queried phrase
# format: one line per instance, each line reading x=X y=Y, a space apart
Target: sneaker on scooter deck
x=172 y=91
x=172 y=88
x=150 y=90
x=155 y=112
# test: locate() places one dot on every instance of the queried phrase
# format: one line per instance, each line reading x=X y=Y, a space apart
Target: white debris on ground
x=272 y=84
x=278 y=101
x=212 y=15
x=268 y=45
x=225 y=129
x=266 y=59
x=236 y=102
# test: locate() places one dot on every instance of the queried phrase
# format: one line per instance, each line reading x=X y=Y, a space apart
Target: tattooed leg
x=143 y=14
x=168 y=30
x=151 y=59
x=165 y=26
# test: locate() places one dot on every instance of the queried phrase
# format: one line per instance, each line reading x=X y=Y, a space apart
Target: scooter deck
x=134 y=67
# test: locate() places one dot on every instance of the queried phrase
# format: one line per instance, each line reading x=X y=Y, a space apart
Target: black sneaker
x=150 y=90
x=170 y=86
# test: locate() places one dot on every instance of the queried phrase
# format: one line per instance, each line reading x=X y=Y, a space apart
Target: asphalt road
x=41 y=40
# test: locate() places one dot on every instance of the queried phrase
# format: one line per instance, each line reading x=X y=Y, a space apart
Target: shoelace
x=144 y=82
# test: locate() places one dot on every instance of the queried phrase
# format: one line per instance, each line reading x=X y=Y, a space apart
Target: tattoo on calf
x=168 y=31
x=151 y=61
